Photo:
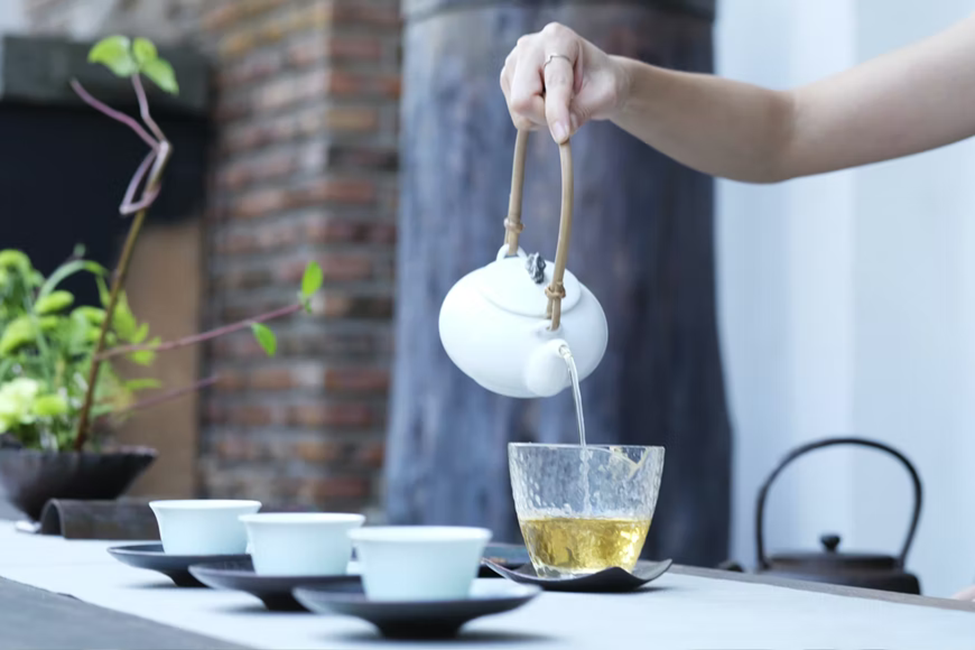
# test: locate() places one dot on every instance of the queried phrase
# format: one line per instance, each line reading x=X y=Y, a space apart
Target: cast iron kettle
x=831 y=565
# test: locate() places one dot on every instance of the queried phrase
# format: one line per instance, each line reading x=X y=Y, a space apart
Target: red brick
x=214 y=412
x=337 y=190
x=251 y=415
x=339 y=487
x=231 y=381
x=351 y=119
x=330 y=343
x=260 y=203
x=271 y=379
x=372 y=455
x=348 y=156
x=355 y=48
x=311 y=50
x=350 y=12
x=340 y=414
x=357 y=380
x=238 y=279
x=237 y=448
x=266 y=167
x=344 y=83
x=250 y=71
x=335 y=268
x=219 y=15
x=317 y=451
x=346 y=305
x=347 y=231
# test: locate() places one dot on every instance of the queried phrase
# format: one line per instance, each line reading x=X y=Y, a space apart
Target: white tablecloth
x=675 y=612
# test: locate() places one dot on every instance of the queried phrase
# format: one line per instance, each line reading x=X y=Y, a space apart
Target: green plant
x=46 y=348
x=56 y=363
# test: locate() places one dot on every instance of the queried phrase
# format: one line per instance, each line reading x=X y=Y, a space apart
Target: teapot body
x=891 y=579
x=494 y=328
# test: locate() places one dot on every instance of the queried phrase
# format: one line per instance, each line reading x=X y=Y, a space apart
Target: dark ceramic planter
x=31 y=478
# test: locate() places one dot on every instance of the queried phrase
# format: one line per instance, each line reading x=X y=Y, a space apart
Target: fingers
x=558 y=93
x=527 y=89
x=539 y=79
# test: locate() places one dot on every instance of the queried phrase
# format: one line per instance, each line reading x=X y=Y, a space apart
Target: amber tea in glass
x=584 y=508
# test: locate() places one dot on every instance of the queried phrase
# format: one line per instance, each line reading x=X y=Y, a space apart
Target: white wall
x=847 y=306
x=12 y=17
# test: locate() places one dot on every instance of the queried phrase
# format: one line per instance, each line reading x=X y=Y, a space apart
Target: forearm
x=905 y=102
x=717 y=126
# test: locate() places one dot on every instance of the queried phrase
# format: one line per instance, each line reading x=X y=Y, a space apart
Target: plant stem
x=81 y=431
x=151 y=188
x=112 y=113
x=170 y=395
x=200 y=338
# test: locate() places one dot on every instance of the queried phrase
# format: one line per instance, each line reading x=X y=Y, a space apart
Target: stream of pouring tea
x=576 y=393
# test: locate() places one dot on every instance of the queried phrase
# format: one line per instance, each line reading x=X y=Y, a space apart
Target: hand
x=559 y=79
x=968 y=594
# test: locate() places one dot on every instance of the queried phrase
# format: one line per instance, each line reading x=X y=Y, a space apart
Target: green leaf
x=53 y=302
x=14 y=259
x=162 y=74
x=49 y=406
x=66 y=270
x=115 y=53
x=91 y=315
x=306 y=303
x=103 y=294
x=265 y=337
x=145 y=357
x=144 y=51
x=142 y=383
x=18 y=333
x=312 y=279
x=123 y=321
x=140 y=334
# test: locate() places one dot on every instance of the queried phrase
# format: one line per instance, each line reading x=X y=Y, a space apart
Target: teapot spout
x=547 y=372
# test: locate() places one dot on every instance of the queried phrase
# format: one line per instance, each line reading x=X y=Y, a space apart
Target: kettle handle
x=513 y=225
x=763 y=561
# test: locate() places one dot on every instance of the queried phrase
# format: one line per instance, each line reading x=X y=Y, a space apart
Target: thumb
x=559 y=81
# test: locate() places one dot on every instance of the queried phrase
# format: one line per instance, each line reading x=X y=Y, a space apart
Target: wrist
x=623 y=78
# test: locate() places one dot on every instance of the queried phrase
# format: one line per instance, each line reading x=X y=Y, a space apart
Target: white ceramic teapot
x=505 y=325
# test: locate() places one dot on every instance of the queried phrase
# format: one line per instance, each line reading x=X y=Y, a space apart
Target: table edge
x=824 y=588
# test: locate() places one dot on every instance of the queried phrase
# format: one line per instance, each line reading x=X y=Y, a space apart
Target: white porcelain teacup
x=410 y=563
x=301 y=543
x=203 y=526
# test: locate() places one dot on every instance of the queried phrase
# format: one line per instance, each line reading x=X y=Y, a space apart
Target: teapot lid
x=832 y=561
x=507 y=283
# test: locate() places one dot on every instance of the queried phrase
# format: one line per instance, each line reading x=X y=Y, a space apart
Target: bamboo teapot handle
x=513 y=225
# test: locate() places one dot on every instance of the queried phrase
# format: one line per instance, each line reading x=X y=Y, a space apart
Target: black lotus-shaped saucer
x=613 y=580
x=274 y=591
x=177 y=567
x=439 y=619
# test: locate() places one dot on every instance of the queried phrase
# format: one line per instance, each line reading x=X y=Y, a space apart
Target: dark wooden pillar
x=642 y=241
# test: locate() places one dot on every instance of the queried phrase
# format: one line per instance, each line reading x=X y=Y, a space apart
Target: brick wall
x=304 y=167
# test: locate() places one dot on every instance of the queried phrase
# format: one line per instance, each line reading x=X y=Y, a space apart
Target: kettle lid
x=507 y=283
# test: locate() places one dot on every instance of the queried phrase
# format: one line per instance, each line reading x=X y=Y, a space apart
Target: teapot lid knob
x=830 y=542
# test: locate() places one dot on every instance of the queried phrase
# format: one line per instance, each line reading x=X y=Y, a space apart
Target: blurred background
x=767 y=316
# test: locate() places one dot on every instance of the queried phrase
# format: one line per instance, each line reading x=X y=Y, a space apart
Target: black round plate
x=418 y=619
x=274 y=591
x=152 y=557
x=614 y=580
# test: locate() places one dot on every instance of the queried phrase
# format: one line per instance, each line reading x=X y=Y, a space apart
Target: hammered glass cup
x=583 y=509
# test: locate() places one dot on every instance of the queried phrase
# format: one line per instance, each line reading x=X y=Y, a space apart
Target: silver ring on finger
x=552 y=57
